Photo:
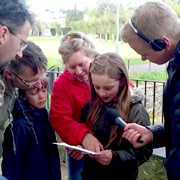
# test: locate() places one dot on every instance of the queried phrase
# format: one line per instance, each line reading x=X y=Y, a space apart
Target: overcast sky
x=40 y=5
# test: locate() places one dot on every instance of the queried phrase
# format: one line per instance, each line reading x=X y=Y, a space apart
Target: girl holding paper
x=109 y=87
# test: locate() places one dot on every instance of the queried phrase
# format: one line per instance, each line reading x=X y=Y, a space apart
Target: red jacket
x=67 y=99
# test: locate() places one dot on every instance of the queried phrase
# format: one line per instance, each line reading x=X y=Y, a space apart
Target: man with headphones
x=154 y=32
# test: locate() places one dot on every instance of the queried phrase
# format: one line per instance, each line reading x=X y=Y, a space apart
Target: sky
x=38 y=6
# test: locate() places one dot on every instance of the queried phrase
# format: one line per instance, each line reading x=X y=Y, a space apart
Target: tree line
x=100 y=21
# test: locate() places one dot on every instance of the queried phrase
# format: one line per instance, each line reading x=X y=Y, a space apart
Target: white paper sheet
x=85 y=151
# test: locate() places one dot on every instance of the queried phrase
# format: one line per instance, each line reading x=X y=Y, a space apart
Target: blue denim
x=3 y=178
x=75 y=168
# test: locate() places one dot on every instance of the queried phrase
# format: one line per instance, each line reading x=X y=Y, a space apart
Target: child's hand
x=91 y=143
x=75 y=153
x=104 y=158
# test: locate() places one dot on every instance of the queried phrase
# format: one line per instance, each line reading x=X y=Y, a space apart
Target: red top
x=67 y=99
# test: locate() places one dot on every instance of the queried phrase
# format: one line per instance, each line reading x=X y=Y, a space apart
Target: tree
x=37 y=28
x=57 y=26
x=175 y=5
x=73 y=15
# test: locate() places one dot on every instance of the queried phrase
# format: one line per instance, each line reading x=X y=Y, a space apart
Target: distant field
x=156 y=76
x=50 y=45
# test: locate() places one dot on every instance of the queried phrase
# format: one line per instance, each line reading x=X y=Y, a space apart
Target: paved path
x=146 y=68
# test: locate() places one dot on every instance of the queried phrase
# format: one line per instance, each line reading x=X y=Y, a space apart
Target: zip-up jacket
x=28 y=152
x=168 y=134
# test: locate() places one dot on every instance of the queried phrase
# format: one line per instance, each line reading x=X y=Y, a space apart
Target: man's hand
x=133 y=131
x=91 y=143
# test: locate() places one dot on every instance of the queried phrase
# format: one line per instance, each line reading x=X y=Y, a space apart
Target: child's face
x=36 y=98
x=105 y=87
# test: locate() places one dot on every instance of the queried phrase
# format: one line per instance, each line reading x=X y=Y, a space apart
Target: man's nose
x=19 y=53
x=143 y=58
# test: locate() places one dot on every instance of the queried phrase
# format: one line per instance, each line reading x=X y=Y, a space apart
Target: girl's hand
x=104 y=158
x=91 y=143
x=75 y=153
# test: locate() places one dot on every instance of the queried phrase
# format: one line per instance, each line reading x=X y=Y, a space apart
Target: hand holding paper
x=85 y=151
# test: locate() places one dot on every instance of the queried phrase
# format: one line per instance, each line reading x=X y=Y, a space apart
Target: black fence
x=153 y=91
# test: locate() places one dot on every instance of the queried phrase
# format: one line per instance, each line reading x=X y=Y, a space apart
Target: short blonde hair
x=75 y=42
x=155 y=20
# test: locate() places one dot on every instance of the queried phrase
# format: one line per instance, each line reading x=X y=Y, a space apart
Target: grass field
x=156 y=76
x=50 y=45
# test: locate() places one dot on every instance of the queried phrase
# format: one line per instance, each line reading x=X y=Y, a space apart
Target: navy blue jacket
x=168 y=134
x=28 y=152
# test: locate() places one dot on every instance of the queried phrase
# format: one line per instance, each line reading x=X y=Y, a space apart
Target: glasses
x=23 y=44
x=30 y=84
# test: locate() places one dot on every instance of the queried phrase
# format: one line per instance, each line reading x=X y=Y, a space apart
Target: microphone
x=113 y=116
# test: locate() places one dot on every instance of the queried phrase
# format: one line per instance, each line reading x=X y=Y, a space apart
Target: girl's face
x=78 y=65
x=106 y=88
x=36 y=97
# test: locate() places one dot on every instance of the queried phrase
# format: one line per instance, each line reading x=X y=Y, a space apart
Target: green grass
x=50 y=45
x=153 y=169
x=156 y=76
x=127 y=53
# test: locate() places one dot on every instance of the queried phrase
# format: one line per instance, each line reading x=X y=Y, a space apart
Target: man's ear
x=167 y=41
x=3 y=34
x=8 y=74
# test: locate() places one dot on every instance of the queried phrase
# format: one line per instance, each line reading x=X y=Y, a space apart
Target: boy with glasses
x=28 y=149
x=23 y=73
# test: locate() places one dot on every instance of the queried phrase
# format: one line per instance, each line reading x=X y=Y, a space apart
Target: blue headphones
x=157 y=44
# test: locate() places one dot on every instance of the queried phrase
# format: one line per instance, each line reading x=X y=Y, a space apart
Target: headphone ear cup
x=158 y=45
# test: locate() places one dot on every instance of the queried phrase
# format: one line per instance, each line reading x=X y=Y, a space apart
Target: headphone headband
x=157 y=44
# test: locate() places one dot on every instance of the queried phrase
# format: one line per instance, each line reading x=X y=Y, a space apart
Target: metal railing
x=153 y=91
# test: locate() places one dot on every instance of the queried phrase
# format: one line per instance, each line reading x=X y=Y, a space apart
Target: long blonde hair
x=112 y=65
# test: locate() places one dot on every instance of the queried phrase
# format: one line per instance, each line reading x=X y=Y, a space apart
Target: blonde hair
x=75 y=42
x=112 y=65
x=154 y=20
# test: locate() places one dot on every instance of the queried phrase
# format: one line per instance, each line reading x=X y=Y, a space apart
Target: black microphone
x=113 y=116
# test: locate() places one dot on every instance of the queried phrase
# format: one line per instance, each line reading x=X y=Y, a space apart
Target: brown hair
x=112 y=65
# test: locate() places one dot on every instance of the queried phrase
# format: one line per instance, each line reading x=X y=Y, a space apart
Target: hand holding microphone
x=113 y=116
